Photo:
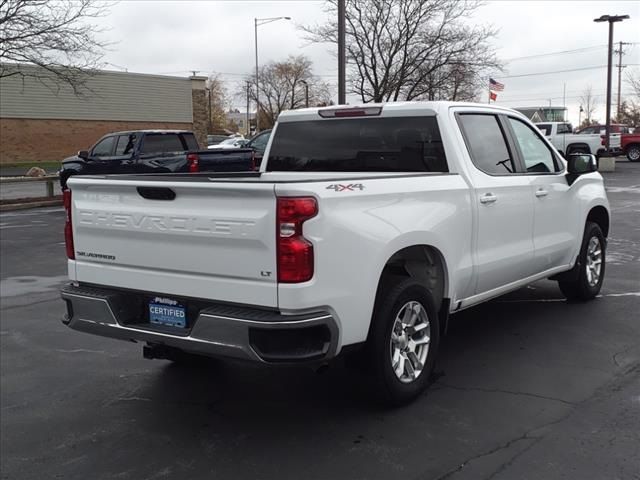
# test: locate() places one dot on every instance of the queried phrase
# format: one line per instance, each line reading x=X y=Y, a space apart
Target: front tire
x=590 y=266
x=403 y=342
x=633 y=153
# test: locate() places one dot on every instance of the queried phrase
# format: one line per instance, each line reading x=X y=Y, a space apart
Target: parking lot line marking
x=4 y=227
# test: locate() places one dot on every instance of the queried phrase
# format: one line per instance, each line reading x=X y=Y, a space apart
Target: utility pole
x=247 y=117
x=611 y=19
x=210 y=112
x=342 y=57
x=620 y=67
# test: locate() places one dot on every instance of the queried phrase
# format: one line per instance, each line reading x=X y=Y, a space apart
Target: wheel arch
x=633 y=144
x=600 y=216
x=425 y=263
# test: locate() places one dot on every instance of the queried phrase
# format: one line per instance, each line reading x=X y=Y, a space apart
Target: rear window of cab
x=381 y=144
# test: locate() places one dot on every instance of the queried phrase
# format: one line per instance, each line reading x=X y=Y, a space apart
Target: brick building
x=43 y=121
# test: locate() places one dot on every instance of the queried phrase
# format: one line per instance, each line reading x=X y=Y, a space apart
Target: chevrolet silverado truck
x=364 y=229
x=561 y=135
x=153 y=151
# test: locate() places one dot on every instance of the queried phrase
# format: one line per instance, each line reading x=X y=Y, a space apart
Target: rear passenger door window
x=161 y=143
x=486 y=143
x=537 y=156
x=125 y=145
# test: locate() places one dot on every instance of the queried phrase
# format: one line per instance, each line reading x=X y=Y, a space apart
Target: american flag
x=497 y=86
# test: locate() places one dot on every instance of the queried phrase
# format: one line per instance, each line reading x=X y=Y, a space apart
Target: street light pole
x=611 y=19
x=580 y=116
x=256 y=23
x=306 y=93
x=342 y=97
x=247 y=116
x=257 y=87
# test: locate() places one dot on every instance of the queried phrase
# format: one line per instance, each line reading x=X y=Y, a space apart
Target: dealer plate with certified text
x=167 y=315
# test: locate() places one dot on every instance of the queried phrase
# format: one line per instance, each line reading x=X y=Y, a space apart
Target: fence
x=48 y=179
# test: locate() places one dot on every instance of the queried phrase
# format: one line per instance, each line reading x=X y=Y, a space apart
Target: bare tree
x=54 y=35
x=282 y=88
x=633 y=80
x=412 y=49
x=589 y=102
x=218 y=103
x=630 y=109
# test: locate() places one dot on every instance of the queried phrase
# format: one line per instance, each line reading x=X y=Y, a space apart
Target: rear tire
x=403 y=341
x=633 y=153
x=589 y=270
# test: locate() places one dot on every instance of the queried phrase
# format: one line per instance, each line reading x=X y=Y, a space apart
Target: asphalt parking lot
x=528 y=387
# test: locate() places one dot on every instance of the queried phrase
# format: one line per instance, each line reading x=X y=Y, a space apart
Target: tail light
x=603 y=139
x=68 y=228
x=194 y=162
x=295 y=253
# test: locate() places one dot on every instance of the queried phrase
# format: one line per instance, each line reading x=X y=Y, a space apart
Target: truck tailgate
x=213 y=240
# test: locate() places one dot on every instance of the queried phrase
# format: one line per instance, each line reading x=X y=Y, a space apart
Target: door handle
x=541 y=193
x=488 y=198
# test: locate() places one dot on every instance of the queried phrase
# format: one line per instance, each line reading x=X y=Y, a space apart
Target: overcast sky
x=174 y=37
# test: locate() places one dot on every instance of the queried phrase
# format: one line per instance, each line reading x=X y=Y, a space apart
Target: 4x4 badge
x=352 y=187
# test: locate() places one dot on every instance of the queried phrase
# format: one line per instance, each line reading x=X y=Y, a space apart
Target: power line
x=532 y=74
x=550 y=54
x=546 y=98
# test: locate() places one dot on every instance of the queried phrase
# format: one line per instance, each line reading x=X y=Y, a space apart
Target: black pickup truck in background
x=154 y=151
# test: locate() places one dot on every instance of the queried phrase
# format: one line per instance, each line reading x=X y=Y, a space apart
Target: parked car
x=149 y=151
x=366 y=227
x=258 y=143
x=631 y=146
x=232 y=142
x=561 y=135
x=215 y=139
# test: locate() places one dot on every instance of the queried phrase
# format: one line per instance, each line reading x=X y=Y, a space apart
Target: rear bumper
x=216 y=330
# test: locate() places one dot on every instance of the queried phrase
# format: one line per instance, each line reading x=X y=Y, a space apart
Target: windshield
x=395 y=144
x=545 y=128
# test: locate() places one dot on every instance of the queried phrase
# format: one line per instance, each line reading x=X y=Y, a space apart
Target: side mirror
x=83 y=154
x=580 y=163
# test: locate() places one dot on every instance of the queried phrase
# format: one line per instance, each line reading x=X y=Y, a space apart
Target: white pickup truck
x=366 y=227
x=561 y=135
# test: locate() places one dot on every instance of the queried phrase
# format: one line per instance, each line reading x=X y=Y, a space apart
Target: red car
x=631 y=146
x=615 y=128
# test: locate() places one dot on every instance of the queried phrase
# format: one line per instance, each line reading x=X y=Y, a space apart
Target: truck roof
x=129 y=132
x=389 y=109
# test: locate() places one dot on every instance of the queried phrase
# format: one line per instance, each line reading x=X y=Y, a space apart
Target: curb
x=5 y=207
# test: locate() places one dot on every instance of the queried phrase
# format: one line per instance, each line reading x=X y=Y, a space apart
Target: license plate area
x=167 y=313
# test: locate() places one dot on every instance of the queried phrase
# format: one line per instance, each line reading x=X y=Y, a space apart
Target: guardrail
x=49 y=179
